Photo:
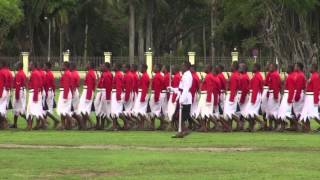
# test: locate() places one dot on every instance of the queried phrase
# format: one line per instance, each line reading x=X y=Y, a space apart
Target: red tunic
x=75 y=80
x=256 y=85
x=127 y=85
x=2 y=81
x=275 y=83
x=107 y=83
x=207 y=86
x=216 y=88
x=90 y=82
x=300 y=84
x=195 y=84
x=19 y=81
x=66 y=83
x=43 y=78
x=117 y=84
x=290 y=85
x=223 y=81
x=49 y=82
x=144 y=83
x=175 y=84
x=157 y=85
x=244 y=86
x=135 y=81
x=267 y=79
x=8 y=78
x=234 y=85
x=35 y=83
x=314 y=86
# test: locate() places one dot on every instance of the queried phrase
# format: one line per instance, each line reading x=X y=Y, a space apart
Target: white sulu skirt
x=50 y=100
x=194 y=105
x=156 y=106
x=140 y=107
x=84 y=104
x=205 y=109
x=252 y=110
x=35 y=109
x=129 y=104
x=298 y=106
x=285 y=109
x=273 y=106
x=105 y=106
x=264 y=99
x=19 y=106
x=75 y=101
x=4 y=102
x=309 y=110
x=222 y=98
x=164 y=105
x=64 y=105
x=244 y=105
x=172 y=106
x=230 y=108
x=98 y=101
x=116 y=106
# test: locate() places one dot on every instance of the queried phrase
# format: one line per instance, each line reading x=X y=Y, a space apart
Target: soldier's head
x=219 y=68
x=126 y=67
x=73 y=66
x=234 y=66
x=116 y=67
x=256 y=67
x=165 y=68
x=33 y=66
x=290 y=68
x=314 y=67
x=175 y=69
x=272 y=67
x=298 y=66
x=143 y=68
x=4 y=64
x=192 y=67
x=185 y=66
x=134 y=67
x=208 y=68
x=65 y=66
x=156 y=68
x=48 y=66
x=105 y=66
x=243 y=68
x=20 y=66
x=90 y=65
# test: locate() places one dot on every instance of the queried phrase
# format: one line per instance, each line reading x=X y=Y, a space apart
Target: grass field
x=148 y=155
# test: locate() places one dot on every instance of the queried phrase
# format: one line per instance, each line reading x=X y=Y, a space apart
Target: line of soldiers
x=123 y=98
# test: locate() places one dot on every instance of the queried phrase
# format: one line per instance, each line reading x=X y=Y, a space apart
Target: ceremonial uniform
x=166 y=82
x=3 y=93
x=285 y=110
x=232 y=97
x=174 y=95
x=194 y=92
x=128 y=88
x=9 y=81
x=256 y=88
x=43 y=93
x=264 y=96
x=105 y=105
x=50 y=89
x=223 y=88
x=141 y=101
x=85 y=104
x=186 y=96
x=311 y=103
x=300 y=85
x=65 y=96
x=75 y=84
x=135 y=77
x=116 y=97
x=158 y=94
x=35 y=83
x=273 y=95
x=244 y=89
x=20 y=95
x=97 y=100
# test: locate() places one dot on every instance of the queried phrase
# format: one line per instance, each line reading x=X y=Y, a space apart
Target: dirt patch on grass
x=122 y=147
x=87 y=173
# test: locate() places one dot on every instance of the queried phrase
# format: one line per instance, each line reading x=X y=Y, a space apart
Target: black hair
x=300 y=65
x=73 y=65
x=92 y=65
x=221 y=67
x=107 y=65
x=134 y=67
x=144 y=66
x=49 y=65
x=187 y=64
x=66 y=64
x=257 y=66
x=235 y=64
x=20 y=65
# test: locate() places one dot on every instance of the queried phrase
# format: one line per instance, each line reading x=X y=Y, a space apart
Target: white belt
x=309 y=93
x=286 y=91
x=265 y=87
x=270 y=91
x=101 y=89
x=163 y=91
x=85 y=87
x=203 y=92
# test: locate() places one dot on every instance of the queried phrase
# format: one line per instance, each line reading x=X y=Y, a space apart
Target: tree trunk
x=204 y=42
x=61 y=42
x=85 y=53
x=131 y=31
x=149 y=16
x=213 y=25
x=141 y=39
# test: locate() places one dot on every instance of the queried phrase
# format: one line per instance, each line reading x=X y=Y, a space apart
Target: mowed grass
x=52 y=154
